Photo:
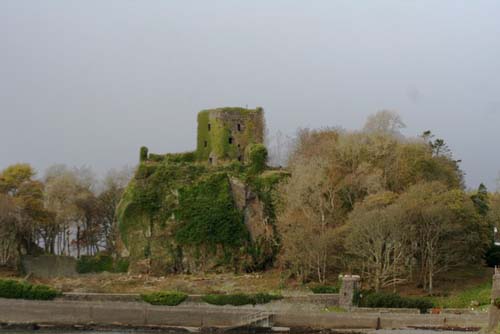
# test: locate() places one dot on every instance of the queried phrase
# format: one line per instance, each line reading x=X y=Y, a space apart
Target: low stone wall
x=114 y=313
x=49 y=266
x=378 y=321
x=141 y=314
x=307 y=303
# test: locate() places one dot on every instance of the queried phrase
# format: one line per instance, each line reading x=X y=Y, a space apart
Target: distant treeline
x=66 y=212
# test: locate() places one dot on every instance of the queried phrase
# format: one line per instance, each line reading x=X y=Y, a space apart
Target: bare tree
x=384 y=121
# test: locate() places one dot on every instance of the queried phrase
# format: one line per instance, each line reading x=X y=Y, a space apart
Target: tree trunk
x=78 y=242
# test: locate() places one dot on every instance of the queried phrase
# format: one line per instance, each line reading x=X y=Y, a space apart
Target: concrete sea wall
x=65 y=312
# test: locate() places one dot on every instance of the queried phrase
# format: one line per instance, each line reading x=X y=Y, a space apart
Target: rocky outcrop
x=253 y=209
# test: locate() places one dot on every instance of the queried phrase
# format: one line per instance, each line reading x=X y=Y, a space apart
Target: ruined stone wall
x=225 y=133
x=48 y=266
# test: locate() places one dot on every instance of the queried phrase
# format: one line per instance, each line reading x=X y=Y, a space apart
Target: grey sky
x=89 y=82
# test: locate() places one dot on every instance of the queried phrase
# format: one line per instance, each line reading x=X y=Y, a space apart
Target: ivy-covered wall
x=225 y=133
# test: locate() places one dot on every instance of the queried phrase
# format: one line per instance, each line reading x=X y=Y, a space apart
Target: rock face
x=256 y=221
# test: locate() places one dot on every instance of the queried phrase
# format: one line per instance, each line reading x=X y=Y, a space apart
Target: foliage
x=23 y=210
x=319 y=289
x=480 y=200
x=208 y=216
x=121 y=265
x=429 y=224
x=256 y=158
x=240 y=299
x=492 y=256
x=94 y=264
x=173 y=157
x=17 y=290
x=378 y=240
x=143 y=154
x=393 y=300
x=101 y=263
x=164 y=298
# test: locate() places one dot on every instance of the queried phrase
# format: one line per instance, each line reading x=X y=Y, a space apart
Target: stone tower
x=225 y=133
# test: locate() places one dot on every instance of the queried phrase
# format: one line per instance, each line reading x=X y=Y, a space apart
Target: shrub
x=156 y=157
x=393 y=300
x=240 y=299
x=257 y=157
x=492 y=256
x=94 y=264
x=325 y=289
x=143 y=156
x=164 y=298
x=101 y=262
x=121 y=265
x=17 y=290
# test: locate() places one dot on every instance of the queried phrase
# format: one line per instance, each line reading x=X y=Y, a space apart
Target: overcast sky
x=89 y=82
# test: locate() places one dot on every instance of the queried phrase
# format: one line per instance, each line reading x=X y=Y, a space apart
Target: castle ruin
x=225 y=133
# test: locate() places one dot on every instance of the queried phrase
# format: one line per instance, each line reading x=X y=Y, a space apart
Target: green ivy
x=143 y=155
x=208 y=215
x=17 y=290
x=176 y=209
x=320 y=289
x=257 y=158
x=240 y=299
x=217 y=137
x=100 y=263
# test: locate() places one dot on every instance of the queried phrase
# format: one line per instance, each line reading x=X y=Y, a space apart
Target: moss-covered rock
x=188 y=217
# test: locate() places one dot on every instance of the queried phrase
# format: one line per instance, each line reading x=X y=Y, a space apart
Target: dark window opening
x=205 y=143
x=209 y=126
x=230 y=140
x=240 y=158
x=239 y=145
x=239 y=127
x=210 y=160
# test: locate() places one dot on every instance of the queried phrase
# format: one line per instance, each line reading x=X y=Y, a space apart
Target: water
x=121 y=331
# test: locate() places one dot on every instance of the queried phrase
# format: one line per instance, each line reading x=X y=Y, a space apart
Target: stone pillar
x=494 y=310
x=348 y=290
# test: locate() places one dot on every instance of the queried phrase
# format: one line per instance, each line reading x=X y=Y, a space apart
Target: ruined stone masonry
x=224 y=134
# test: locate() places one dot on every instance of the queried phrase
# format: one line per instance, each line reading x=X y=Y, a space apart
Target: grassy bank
x=474 y=297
